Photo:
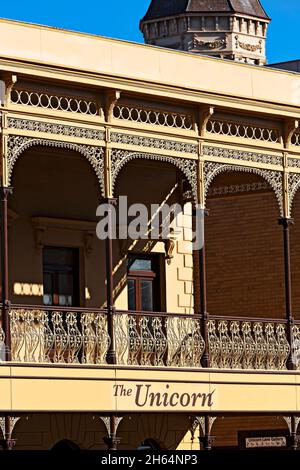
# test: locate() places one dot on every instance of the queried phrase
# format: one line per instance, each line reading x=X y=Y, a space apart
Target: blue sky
x=120 y=19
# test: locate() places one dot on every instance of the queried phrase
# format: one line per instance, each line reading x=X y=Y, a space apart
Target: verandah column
x=111 y=354
x=201 y=213
x=8 y=442
x=285 y=222
x=199 y=220
x=5 y=191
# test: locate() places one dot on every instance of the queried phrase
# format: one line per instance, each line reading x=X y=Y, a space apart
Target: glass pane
x=65 y=300
x=47 y=299
x=131 y=294
x=147 y=296
x=65 y=283
x=65 y=289
x=48 y=288
x=139 y=264
x=48 y=283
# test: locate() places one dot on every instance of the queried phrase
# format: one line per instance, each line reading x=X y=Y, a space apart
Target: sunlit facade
x=120 y=343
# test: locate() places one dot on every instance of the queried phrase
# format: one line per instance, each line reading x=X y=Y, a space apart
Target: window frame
x=153 y=275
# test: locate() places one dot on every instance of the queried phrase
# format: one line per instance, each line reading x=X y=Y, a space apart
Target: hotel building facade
x=120 y=343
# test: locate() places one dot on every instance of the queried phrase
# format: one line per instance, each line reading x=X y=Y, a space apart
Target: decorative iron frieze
x=119 y=158
x=294 y=162
x=18 y=144
x=234 y=154
x=55 y=129
x=153 y=117
x=44 y=100
x=152 y=142
x=293 y=185
x=243 y=131
x=238 y=188
x=274 y=178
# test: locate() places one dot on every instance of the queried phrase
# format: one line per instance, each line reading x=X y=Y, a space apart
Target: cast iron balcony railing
x=253 y=343
x=58 y=335
x=157 y=339
x=80 y=336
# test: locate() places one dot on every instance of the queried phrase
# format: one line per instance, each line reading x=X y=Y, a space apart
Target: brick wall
x=244 y=253
x=295 y=256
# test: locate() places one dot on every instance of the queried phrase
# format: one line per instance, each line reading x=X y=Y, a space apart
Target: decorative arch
x=18 y=144
x=274 y=178
x=119 y=158
x=294 y=185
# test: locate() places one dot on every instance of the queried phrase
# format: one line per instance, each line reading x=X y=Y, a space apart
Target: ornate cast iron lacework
x=119 y=158
x=248 y=345
x=274 y=178
x=158 y=341
x=296 y=139
x=154 y=117
x=13 y=422
x=244 y=131
x=58 y=337
x=238 y=188
x=54 y=102
x=243 y=156
x=17 y=145
x=56 y=129
x=152 y=142
x=294 y=162
x=294 y=185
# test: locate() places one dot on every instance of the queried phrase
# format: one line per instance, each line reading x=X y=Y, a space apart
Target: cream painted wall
x=141 y=62
x=61 y=185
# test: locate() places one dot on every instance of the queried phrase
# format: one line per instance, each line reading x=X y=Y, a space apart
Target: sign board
x=263 y=439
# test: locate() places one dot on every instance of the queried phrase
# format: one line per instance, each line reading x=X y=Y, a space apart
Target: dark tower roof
x=165 y=8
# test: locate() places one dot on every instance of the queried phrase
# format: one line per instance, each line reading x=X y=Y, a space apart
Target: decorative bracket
x=8 y=442
x=290 y=424
x=201 y=422
x=7 y=82
x=107 y=422
x=290 y=127
x=110 y=100
x=204 y=116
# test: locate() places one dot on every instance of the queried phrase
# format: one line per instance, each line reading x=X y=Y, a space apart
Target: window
x=61 y=276
x=143 y=283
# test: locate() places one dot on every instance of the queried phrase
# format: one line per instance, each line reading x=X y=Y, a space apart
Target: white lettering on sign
x=275 y=441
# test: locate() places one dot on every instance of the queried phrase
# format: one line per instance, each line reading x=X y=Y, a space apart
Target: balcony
x=43 y=335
